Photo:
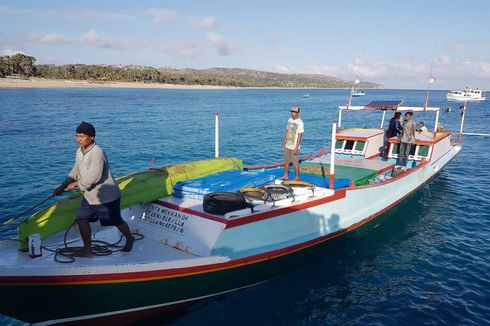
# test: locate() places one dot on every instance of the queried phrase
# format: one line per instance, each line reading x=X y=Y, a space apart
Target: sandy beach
x=36 y=82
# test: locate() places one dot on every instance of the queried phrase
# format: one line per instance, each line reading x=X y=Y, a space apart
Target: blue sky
x=388 y=42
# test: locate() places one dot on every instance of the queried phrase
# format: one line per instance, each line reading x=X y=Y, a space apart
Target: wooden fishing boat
x=218 y=230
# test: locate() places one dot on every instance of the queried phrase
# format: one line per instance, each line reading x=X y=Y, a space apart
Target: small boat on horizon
x=467 y=94
x=358 y=92
x=210 y=227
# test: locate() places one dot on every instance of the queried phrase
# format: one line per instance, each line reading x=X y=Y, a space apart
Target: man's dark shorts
x=108 y=214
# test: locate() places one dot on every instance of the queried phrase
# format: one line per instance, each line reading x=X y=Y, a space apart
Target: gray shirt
x=408 y=131
x=94 y=176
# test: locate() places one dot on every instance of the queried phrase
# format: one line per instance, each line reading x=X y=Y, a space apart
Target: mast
x=431 y=80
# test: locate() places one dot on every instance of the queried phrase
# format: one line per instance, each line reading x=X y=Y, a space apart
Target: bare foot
x=284 y=177
x=129 y=244
x=83 y=253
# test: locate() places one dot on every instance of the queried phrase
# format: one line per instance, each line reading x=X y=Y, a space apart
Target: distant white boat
x=466 y=95
x=358 y=92
x=305 y=96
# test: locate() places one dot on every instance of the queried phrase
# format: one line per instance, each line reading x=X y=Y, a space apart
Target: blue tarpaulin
x=234 y=180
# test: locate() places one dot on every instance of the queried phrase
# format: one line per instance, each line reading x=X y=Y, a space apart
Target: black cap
x=86 y=129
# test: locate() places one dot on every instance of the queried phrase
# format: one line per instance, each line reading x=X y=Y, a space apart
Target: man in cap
x=291 y=142
x=101 y=194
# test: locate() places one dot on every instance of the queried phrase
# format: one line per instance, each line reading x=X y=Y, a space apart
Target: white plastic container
x=34 y=242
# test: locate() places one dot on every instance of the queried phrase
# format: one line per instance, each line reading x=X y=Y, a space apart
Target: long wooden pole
x=462 y=124
x=332 y=154
x=216 y=136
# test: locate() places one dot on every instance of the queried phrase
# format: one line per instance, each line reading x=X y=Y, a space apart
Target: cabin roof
x=359 y=133
x=424 y=138
x=394 y=105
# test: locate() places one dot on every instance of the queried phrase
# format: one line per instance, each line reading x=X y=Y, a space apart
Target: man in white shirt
x=291 y=143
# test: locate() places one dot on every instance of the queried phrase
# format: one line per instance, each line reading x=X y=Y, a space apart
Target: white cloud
x=75 y=14
x=370 y=70
x=220 y=44
x=449 y=73
x=95 y=39
x=50 y=38
x=442 y=60
x=272 y=41
x=465 y=71
x=324 y=70
x=181 y=50
x=203 y=22
x=283 y=69
x=458 y=47
x=11 y=52
x=162 y=16
x=85 y=15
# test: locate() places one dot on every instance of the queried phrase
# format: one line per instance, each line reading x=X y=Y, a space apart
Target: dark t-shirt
x=394 y=129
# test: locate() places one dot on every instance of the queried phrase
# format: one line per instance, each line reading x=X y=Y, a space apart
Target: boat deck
x=377 y=165
x=147 y=254
x=359 y=171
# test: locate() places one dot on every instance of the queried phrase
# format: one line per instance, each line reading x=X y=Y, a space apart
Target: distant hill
x=23 y=65
x=249 y=77
x=214 y=76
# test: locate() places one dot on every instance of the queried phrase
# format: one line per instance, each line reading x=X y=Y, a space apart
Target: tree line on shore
x=21 y=65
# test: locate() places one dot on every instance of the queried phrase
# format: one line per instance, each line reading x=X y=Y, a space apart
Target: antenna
x=431 y=79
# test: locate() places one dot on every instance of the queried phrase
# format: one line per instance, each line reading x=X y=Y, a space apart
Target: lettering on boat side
x=167 y=218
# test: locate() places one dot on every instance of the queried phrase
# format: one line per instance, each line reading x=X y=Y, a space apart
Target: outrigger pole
x=462 y=123
x=216 y=136
x=332 y=154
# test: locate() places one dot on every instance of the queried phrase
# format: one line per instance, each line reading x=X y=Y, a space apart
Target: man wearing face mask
x=101 y=194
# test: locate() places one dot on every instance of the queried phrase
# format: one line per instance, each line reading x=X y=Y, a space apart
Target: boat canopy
x=387 y=105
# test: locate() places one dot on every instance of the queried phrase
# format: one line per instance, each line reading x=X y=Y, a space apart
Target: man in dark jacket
x=394 y=129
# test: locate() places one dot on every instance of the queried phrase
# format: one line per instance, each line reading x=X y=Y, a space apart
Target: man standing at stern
x=291 y=143
x=101 y=194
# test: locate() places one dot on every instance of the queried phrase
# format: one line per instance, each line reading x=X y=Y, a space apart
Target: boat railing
x=303 y=159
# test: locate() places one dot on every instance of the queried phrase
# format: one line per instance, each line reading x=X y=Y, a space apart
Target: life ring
x=255 y=195
x=221 y=203
x=278 y=192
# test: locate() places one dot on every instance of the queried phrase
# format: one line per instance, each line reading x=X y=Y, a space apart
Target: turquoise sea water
x=428 y=263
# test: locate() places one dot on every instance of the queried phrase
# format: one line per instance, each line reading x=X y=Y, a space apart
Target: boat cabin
x=369 y=143
x=360 y=142
x=425 y=145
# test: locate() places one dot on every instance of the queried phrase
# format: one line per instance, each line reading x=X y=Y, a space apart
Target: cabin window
x=349 y=145
x=423 y=150
x=412 y=150
x=339 y=144
x=395 y=148
x=360 y=146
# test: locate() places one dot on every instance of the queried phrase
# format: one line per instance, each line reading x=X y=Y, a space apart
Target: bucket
x=34 y=242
